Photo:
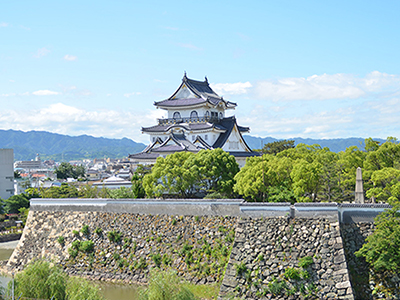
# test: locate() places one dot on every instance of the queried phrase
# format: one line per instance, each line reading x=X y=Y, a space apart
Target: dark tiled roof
x=228 y=123
x=144 y=155
x=180 y=102
x=244 y=154
x=201 y=89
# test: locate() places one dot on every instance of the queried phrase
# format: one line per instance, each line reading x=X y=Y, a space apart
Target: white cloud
x=70 y=57
x=323 y=87
x=41 y=52
x=66 y=119
x=3 y=24
x=231 y=88
x=127 y=95
x=45 y=93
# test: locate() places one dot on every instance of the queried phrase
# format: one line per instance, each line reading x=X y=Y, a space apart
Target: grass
x=204 y=291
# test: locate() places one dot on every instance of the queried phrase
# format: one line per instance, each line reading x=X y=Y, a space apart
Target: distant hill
x=63 y=147
x=335 y=145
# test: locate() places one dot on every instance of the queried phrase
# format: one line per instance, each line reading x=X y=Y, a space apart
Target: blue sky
x=317 y=69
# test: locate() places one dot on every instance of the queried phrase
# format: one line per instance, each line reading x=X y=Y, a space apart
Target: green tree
x=214 y=171
x=13 y=204
x=277 y=146
x=386 y=185
x=66 y=170
x=64 y=191
x=186 y=174
x=265 y=178
x=170 y=176
x=382 y=250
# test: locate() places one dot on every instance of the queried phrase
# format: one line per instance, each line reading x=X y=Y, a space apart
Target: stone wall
x=354 y=235
x=265 y=244
x=197 y=247
x=264 y=262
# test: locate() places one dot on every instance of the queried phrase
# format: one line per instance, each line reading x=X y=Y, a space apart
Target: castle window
x=206 y=137
x=177 y=115
x=154 y=139
x=193 y=137
x=193 y=114
x=220 y=115
x=207 y=114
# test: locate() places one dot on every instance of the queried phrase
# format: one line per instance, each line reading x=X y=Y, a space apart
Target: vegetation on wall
x=382 y=252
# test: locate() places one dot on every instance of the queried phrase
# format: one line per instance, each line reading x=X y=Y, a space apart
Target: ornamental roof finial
x=184 y=76
x=206 y=79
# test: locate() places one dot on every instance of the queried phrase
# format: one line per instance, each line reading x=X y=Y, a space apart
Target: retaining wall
x=196 y=238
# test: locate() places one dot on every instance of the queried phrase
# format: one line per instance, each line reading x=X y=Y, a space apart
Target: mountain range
x=65 y=148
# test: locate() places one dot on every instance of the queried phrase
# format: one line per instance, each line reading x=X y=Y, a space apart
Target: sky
x=311 y=69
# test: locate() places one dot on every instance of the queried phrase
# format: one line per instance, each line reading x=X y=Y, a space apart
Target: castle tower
x=196 y=120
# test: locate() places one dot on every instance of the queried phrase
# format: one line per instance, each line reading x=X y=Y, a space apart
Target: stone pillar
x=359 y=187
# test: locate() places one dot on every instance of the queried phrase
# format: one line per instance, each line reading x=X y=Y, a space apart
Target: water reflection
x=119 y=292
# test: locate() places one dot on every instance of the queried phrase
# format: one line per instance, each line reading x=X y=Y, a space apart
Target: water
x=110 y=291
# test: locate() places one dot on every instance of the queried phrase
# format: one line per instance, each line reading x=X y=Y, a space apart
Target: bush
x=98 y=231
x=114 y=236
x=86 y=246
x=75 y=232
x=85 y=230
x=165 y=285
x=240 y=268
x=61 y=240
x=292 y=273
x=157 y=259
x=41 y=280
x=305 y=262
x=76 y=245
x=73 y=252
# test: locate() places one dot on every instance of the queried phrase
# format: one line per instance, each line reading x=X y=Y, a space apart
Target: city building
x=196 y=120
x=6 y=173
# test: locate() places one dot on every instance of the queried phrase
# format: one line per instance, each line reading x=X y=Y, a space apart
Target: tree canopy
x=66 y=170
x=186 y=174
x=312 y=173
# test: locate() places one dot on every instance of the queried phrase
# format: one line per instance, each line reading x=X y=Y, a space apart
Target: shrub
x=98 y=231
x=165 y=285
x=116 y=256
x=166 y=260
x=75 y=232
x=305 y=262
x=240 y=268
x=61 y=240
x=174 y=221
x=276 y=287
x=86 y=246
x=142 y=264
x=292 y=273
x=114 y=236
x=85 y=230
x=76 y=245
x=156 y=259
x=73 y=252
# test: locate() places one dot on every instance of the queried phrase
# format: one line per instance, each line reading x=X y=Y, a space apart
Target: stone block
x=343 y=285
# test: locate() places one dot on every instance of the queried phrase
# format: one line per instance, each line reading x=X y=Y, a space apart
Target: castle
x=196 y=120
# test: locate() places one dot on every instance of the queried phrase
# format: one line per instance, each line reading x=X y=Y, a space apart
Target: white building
x=196 y=120
x=6 y=173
